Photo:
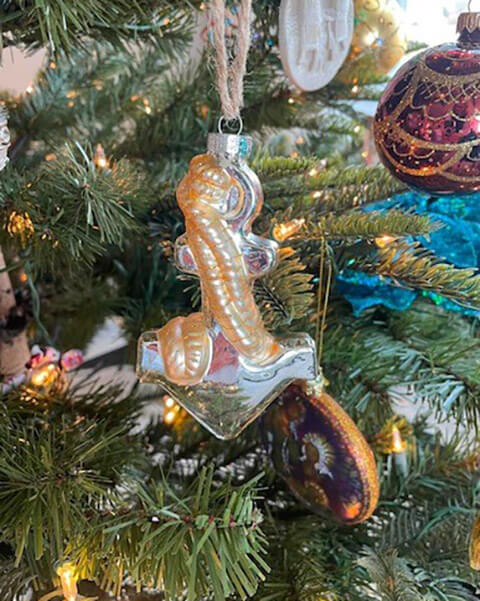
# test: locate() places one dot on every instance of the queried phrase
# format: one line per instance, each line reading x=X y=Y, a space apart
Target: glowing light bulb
x=20 y=224
x=384 y=241
x=283 y=231
x=68 y=580
x=398 y=444
x=170 y=417
x=100 y=159
x=286 y=251
x=44 y=375
x=169 y=402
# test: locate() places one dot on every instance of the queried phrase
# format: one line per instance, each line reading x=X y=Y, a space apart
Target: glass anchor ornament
x=314 y=40
x=221 y=364
x=427 y=125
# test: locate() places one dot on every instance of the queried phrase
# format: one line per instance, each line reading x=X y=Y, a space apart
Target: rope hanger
x=231 y=73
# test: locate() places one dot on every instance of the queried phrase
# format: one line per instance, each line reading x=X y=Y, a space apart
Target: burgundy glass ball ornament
x=427 y=125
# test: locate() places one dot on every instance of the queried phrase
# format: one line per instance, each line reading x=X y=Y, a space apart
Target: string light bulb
x=20 y=225
x=286 y=252
x=173 y=414
x=399 y=450
x=398 y=444
x=146 y=104
x=171 y=410
x=68 y=581
x=384 y=241
x=99 y=159
x=284 y=231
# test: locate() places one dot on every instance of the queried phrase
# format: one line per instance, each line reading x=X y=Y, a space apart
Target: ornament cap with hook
x=468 y=26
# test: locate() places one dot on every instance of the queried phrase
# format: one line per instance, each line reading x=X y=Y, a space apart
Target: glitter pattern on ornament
x=427 y=125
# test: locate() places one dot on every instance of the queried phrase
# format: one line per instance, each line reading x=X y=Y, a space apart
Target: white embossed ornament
x=315 y=38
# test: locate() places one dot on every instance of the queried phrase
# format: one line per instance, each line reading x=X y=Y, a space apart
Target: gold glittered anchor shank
x=226 y=285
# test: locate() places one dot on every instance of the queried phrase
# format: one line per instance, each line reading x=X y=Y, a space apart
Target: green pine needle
x=208 y=540
x=356 y=225
x=410 y=265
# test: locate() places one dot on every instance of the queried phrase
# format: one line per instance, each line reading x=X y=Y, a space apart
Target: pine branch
x=410 y=265
x=13 y=580
x=392 y=577
x=50 y=477
x=454 y=351
x=285 y=294
x=364 y=359
x=356 y=225
x=63 y=25
x=207 y=540
x=272 y=168
x=362 y=362
x=75 y=210
x=301 y=570
x=372 y=185
x=335 y=190
x=93 y=95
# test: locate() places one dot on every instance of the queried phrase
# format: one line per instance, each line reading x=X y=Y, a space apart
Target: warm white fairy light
x=100 y=159
x=68 y=581
x=384 y=241
x=398 y=444
x=283 y=231
x=399 y=450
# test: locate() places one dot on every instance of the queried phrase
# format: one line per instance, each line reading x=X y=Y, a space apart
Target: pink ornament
x=71 y=359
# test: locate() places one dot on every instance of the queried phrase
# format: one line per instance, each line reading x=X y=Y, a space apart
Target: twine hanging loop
x=231 y=73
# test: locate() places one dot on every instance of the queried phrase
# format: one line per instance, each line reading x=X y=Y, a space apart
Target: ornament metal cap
x=468 y=24
x=232 y=147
